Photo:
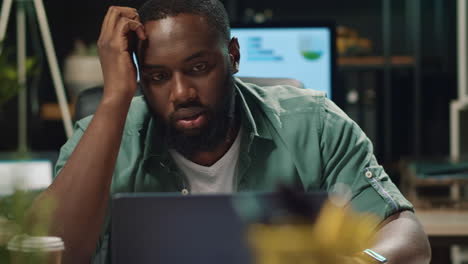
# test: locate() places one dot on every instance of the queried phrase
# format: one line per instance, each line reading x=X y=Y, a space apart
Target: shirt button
x=368 y=174
x=185 y=192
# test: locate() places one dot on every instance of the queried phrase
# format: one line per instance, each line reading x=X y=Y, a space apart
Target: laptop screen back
x=174 y=229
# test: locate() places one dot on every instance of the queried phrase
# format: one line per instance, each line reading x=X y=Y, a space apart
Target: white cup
x=34 y=249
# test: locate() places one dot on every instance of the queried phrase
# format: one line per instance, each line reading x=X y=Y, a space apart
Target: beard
x=220 y=118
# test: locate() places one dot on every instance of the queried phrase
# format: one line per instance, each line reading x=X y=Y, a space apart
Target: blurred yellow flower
x=337 y=232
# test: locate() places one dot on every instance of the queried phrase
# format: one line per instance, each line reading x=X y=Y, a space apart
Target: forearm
x=81 y=190
x=402 y=240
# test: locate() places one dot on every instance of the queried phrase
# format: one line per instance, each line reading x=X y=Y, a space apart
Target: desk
x=450 y=223
x=445 y=228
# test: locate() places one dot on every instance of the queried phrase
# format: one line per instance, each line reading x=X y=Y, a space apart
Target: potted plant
x=82 y=69
x=9 y=76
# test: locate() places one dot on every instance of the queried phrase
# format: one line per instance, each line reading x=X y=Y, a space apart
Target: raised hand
x=119 y=34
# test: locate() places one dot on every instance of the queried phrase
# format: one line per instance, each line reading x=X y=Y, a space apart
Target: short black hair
x=212 y=10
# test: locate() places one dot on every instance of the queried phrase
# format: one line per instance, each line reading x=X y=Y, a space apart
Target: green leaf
x=9 y=74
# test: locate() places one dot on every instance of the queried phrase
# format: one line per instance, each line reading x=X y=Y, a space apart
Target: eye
x=199 y=67
x=158 y=76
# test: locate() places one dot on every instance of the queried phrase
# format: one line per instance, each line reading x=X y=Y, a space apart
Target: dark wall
x=71 y=20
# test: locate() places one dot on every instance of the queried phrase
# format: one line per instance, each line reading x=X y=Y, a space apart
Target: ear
x=234 y=54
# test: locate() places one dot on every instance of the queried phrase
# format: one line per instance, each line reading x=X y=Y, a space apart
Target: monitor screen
x=301 y=53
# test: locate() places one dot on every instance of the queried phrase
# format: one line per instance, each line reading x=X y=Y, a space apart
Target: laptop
x=175 y=229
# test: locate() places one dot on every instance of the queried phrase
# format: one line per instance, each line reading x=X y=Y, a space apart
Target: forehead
x=179 y=36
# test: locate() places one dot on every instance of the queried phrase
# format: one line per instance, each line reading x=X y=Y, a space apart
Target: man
x=198 y=129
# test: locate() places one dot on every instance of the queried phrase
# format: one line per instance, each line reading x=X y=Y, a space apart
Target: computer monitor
x=302 y=51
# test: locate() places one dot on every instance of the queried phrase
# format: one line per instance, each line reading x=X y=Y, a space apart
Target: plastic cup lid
x=25 y=243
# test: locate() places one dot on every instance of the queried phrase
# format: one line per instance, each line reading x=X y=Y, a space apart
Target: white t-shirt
x=217 y=178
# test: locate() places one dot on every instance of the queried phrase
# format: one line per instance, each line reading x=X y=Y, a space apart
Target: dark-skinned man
x=197 y=129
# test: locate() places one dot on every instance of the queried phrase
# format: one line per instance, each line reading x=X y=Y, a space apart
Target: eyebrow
x=189 y=58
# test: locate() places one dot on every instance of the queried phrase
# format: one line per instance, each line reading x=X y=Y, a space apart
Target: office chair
x=88 y=100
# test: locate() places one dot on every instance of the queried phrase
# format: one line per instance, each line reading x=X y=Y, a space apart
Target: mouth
x=190 y=118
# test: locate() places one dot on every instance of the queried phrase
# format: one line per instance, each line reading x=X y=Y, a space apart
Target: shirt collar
x=154 y=144
x=253 y=116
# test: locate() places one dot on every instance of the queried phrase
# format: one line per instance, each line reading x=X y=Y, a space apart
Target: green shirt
x=291 y=135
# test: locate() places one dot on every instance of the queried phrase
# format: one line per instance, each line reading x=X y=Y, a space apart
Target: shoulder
x=137 y=117
x=296 y=110
x=284 y=99
x=287 y=101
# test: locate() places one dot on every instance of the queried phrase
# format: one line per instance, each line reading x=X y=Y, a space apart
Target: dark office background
x=393 y=134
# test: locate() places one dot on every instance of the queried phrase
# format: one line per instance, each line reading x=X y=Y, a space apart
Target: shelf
x=51 y=111
x=375 y=62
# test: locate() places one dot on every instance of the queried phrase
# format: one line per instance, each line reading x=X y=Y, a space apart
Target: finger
x=126 y=25
x=111 y=17
x=138 y=28
x=117 y=12
x=127 y=12
x=105 y=21
x=140 y=31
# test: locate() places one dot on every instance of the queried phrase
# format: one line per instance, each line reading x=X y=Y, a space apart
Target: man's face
x=186 y=71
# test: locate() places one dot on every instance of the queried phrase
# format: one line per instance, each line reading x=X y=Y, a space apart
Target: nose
x=183 y=90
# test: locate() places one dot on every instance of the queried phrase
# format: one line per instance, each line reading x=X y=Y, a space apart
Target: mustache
x=189 y=104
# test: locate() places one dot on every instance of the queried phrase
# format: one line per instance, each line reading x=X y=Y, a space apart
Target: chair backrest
x=88 y=100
